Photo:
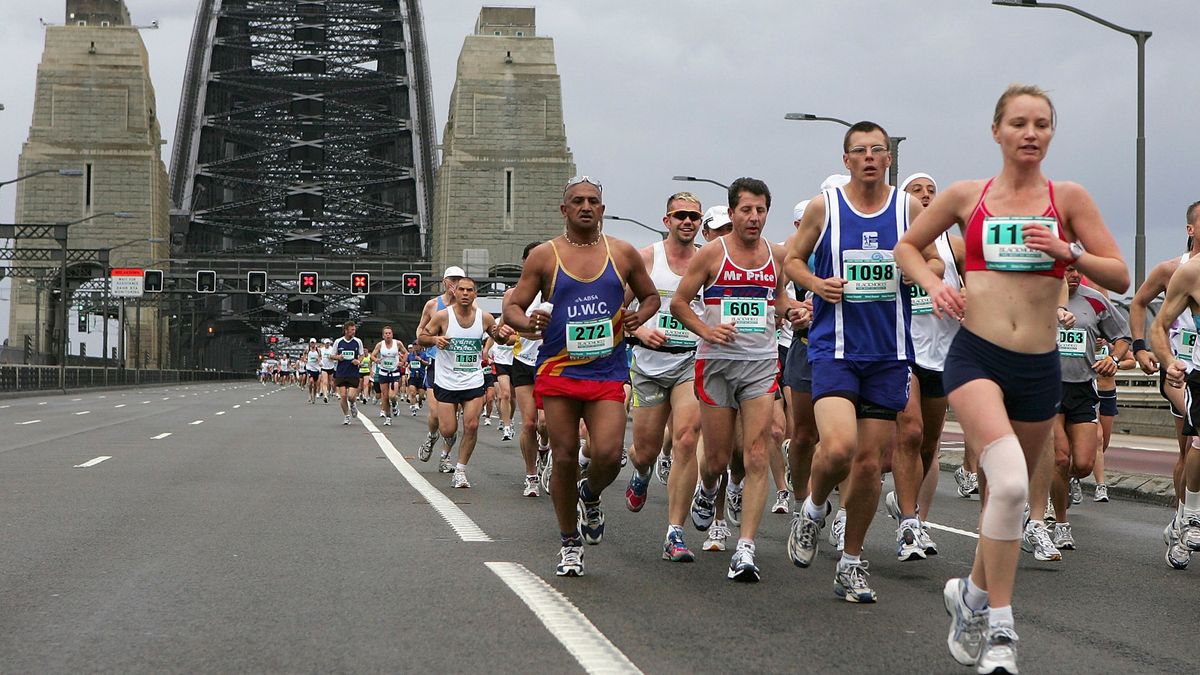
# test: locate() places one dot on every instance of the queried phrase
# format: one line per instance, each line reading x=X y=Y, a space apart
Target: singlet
x=745 y=298
x=414 y=364
x=326 y=361
x=311 y=359
x=931 y=336
x=784 y=334
x=1095 y=317
x=872 y=320
x=526 y=351
x=389 y=357
x=680 y=341
x=459 y=366
x=501 y=355
x=1003 y=249
x=364 y=364
x=585 y=340
x=432 y=352
x=349 y=349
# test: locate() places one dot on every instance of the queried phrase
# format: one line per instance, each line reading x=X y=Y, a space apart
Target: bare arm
x=698 y=273
x=912 y=249
x=804 y=240
x=533 y=278
x=640 y=284
x=432 y=333
x=1179 y=296
x=1102 y=261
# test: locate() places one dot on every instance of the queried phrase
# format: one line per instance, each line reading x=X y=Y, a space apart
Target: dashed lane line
x=92 y=462
x=595 y=652
x=462 y=524
x=119 y=405
x=21 y=424
x=196 y=422
x=84 y=412
x=160 y=436
x=237 y=406
x=221 y=412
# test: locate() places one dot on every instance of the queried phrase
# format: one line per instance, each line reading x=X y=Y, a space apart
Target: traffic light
x=360 y=283
x=83 y=322
x=412 y=283
x=256 y=282
x=273 y=339
x=152 y=281
x=211 y=331
x=206 y=281
x=309 y=283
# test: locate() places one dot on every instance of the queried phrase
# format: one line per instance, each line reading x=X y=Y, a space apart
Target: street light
x=61 y=172
x=694 y=179
x=661 y=233
x=1140 y=37
x=893 y=141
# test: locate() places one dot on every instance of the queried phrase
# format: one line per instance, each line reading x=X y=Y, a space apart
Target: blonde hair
x=683 y=197
x=1015 y=90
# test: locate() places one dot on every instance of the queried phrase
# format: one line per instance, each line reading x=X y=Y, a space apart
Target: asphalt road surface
x=231 y=527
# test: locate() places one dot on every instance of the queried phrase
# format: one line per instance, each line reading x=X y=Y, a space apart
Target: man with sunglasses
x=581 y=366
x=662 y=375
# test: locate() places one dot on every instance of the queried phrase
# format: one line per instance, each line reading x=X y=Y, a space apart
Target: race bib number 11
x=1004 y=248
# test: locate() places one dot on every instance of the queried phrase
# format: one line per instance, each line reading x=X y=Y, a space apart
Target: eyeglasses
x=686 y=214
x=860 y=150
x=582 y=179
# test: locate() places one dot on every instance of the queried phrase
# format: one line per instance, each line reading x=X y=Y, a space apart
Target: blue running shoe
x=675 y=550
x=591 y=520
x=635 y=493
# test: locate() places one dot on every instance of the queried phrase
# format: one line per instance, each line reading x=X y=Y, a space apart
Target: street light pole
x=893 y=141
x=661 y=233
x=61 y=172
x=1140 y=37
x=694 y=179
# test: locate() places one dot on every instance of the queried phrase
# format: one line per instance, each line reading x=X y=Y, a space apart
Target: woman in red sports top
x=1002 y=373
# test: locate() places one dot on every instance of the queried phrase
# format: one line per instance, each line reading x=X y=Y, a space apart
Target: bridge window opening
x=87 y=190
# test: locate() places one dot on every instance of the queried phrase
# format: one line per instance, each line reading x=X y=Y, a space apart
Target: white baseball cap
x=716 y=217
x=836 y=180
x=312 y=339
x=453 y=271
x=798 y=211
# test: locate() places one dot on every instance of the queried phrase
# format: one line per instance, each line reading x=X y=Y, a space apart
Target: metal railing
x=17 y=378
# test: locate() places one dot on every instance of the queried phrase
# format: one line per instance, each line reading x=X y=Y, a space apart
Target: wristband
x=1139 y=345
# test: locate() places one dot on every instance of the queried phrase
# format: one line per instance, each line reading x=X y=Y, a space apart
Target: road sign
x=411 y=284
x=206 y=281
x=360 y=283
x=256 y=282
x=309 y=283
x=127 y=282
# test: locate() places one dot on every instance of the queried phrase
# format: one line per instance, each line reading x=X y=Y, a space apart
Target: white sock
x=848 y=560
x=460 y=467
x=998 y=616
x=1191 y=500
x=975 y=597
x=811 y=509
x=746 y=543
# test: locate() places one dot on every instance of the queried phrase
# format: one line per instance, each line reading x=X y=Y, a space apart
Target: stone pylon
x=94 y=113
x=505 y=156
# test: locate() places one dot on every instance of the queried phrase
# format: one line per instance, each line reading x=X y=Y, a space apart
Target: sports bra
x=974 y=239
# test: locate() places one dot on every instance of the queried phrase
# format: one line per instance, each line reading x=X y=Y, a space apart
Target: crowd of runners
x=769 y=376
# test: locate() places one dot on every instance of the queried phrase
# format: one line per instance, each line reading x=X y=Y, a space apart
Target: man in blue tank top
x=859 y=345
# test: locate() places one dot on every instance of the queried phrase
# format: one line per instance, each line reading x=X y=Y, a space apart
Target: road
x=261 y=535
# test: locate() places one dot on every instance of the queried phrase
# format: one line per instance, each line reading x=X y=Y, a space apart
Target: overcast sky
x=700 y=87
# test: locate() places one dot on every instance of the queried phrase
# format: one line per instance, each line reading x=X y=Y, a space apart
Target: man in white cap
x=715 y=223
x=312 y=368
x=449 y=283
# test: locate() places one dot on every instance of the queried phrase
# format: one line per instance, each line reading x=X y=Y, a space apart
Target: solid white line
x=221 y=413
x=91 y=462
x=955 y=530
x=463 y=525
x=565 y=622
x=84 y=412
x=119 y=405
x=28 y=422
x=160 y=436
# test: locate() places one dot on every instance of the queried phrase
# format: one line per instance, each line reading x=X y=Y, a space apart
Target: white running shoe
x=346 y=422
x=506 y=433
x=892 y=506
x=999 y=653
x=460 y=479
x=802 y=539
x=1189 y=533
x=487 y=421
x=1063 y=538
x=1075 y=488
x=782 y=499
x=850 y=583
x=967 y=627
x=1036 y=540
x=837 y=533
x=387 y=421
x=733 y=504
x=908 y=541
x=742 y=566
x=662 y=468
x=531 y=487
x=1178 y=556
x=927 y=541
x=1101 y=493
x=718 y=534
x=570 y=560
x=445 y=465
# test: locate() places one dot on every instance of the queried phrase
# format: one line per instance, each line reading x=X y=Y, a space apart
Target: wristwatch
x=1077 y=251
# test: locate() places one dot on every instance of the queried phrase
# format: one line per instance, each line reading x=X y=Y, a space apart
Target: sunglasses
x=582 y=179
x=686 y=214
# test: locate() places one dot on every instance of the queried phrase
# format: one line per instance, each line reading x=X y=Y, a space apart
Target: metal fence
x=37 y=378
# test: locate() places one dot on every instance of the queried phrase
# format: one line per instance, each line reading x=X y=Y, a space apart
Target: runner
x=581 y=365
x=387 y=356
x=312 y=368
x=347 y=353
x=859 y=346
x=365 y=364
x=327 y=369
x=449 y=280
x=458 y=331
x=737 y=361
x=535 y=451
x=662 y=376
x=418 y=363
x=1002 y=370
x=502 y=357
x=1106 y=388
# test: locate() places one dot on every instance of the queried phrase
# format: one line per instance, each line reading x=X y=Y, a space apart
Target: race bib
x=588 y=339
x=1004 y=248
x=1072 y=342
x=870 y=276
x=387 y=363
x=677 y=335
x=1102 y=353
x=348 y=354
x=921 y=302
x=466 y=354
x=748 y=315
x=1187 y=343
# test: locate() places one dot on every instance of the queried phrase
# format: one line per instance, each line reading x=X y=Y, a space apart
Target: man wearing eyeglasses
x=581 y=366
x=662 y=375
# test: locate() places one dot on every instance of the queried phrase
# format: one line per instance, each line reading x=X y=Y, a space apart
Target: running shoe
x=733 y=504
x=927 y=541
x=787 y=466
x=1037 y=541
x=387 y=422
x=635 y=492
x=570 y=559
x=967 y=626
x=702 y=509
x=354 y=410
x=1101 y=493
x=460 y=479
x=662 y=467
x=445 y=465
x=591 y=520
x=624 y=457
x=325 y=398
x=718 y=534
x=675 y=550
x=742 y=567
x=1063 y=539
x=1048 y=515
x=782 y=504
x=506 y=433
x=426 y=450
x=850 y=583
x=381 y=414
x=837 y=533
x=1076 y=490
x=908 y=542
x=544 y=474
x=999 y=653
x=487 y=421
x=892 y=506
x=1178 y=555
x=346 y=421
x=803 y=535
x=531 y=487
x=1189 y=534
x=413 y=409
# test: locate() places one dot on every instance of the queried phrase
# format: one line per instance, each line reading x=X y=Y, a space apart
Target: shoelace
x=858 y=575
x=1002 y=635
x=808 y=532
x=718 y=532
x=571 y=555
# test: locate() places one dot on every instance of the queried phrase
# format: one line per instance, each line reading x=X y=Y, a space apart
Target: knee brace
x=1003 y=462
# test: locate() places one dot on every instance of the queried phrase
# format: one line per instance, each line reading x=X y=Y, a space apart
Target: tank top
x=389 y=357
x=931 y=336
x=995 y=242
x=871 y=323
x=584 y=339
x=652 y=362
x=311 y=358
x=745 y=298
x=502 y=354
x=326 y=358
x=441 y=304
x=460 y=365
x=526 y=351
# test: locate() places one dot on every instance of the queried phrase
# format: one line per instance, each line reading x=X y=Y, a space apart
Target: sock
x=848 y=560
x=531 y=476
x=975 y=597
x=1191 y=500
x=571 y=538
x=460 y=467
x=643 y=476
x=709 y=494
x=677 y=529
x=585 y=493
x=1000 y=616
x=811 y=509
x=910 y=521
x=746 y=544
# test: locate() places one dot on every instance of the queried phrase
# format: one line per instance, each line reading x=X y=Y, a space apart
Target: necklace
x=591 y=243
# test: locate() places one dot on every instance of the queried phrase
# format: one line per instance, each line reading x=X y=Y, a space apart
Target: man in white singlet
x=387 y=357
x=449 y=281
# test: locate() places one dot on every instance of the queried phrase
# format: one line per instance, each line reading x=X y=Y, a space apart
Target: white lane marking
x=28 y=422
x=101 y=397
x=237 y=406
x=166 y=398
x=92 y=462
x=565 y=622
x=955 y=530
x=221 y=413
x=196 y=422
x=160 y=436
x=43 y=403
x=76 y=399
x=4 y=406
x=84 y=412
x=145 y=402
x=119 y=405
x=462 y=524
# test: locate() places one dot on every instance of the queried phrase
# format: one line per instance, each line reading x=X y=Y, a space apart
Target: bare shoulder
x=1070 y=194
x=647 y=253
